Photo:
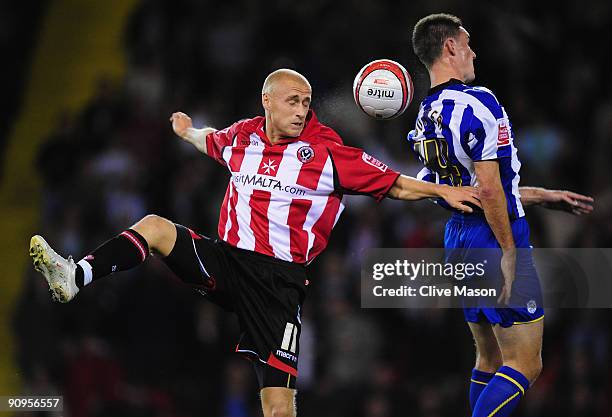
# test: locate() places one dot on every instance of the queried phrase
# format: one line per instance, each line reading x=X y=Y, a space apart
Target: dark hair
x=430 y=33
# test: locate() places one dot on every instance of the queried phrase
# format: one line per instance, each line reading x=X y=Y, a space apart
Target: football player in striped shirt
x=288 y=174
x=464 y=137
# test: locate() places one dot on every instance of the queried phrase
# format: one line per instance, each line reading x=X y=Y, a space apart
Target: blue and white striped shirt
x=458 y=125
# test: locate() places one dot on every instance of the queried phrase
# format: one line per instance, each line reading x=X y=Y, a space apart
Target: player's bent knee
x=157 y=222
x=151 y=227
x=159 y=232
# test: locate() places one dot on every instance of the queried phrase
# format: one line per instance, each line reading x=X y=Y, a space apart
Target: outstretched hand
x=568 y=201
x=180 y=123
x=462 y=198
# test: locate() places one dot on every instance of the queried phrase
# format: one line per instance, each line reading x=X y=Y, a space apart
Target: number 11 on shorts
x=289 y=337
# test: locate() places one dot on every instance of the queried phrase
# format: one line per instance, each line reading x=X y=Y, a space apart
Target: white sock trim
x=87 y=271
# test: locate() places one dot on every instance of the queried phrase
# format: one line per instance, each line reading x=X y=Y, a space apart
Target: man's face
x=287 y=105
x=465 y=56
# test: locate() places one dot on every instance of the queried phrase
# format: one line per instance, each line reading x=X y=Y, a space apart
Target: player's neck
x=273 y=136
x=439 y=74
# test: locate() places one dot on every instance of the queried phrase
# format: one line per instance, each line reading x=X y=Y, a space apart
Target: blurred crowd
x=142 y=344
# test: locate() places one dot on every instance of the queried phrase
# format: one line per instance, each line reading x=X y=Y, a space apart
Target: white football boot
x=59 y=272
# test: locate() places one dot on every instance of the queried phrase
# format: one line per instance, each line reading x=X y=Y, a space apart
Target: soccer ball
x=383 y=89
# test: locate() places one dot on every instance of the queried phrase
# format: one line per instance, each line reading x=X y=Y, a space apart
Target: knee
x=530 y=368
x=535 y=369
x=152 y=221
x=155 y=229
x=278 y=402
x=280 y=411
x=153 y=224
x=488 y=361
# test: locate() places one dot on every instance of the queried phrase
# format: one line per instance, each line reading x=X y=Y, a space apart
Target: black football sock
x=78 y=279
x=122 y=252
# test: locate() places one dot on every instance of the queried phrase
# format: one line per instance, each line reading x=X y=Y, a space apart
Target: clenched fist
x=180 y=123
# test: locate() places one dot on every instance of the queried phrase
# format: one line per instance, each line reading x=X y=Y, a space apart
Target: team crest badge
x=305 y=154
x=531 y=306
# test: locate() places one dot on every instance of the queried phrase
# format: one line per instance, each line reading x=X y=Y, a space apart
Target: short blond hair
x=282 y=74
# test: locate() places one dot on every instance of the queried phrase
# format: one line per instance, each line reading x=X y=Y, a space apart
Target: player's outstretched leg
x=126 y=250
x=521 y=347
x=488 y=359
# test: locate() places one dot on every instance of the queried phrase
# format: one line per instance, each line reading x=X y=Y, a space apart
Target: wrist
x=441 y=190
x=192 y=135
x=543 y=196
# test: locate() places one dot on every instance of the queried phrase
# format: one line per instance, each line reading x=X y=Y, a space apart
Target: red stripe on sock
x=136 y=242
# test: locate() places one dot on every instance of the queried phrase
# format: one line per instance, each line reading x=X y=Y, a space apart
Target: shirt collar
x=442 y=86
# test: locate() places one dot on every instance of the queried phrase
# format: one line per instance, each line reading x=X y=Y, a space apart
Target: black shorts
x=266 y=293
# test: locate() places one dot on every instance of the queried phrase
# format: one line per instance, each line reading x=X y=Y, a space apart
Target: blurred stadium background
x=86 y=150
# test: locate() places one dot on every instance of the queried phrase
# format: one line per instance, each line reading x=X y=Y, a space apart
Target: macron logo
x=286 y=355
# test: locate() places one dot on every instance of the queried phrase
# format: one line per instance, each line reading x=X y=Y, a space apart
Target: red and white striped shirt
x=283 y=200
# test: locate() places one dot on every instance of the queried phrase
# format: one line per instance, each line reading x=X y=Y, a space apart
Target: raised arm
x=183 y=127
x=568 y=201
x=409 y=188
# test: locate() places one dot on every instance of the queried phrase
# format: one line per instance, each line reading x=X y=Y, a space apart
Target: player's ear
x=265 y=101
x=450 y=46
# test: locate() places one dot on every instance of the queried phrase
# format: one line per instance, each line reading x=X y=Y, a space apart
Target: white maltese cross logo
x=269 y=167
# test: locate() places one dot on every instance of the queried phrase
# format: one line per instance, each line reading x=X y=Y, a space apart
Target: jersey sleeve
x=356 y=172
x=489 y=129
x=216 y=141
x=426 y=174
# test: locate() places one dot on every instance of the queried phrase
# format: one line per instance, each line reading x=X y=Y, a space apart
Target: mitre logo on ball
x=383 y=89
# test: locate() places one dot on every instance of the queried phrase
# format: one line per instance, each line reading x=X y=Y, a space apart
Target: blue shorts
x=464 y=235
